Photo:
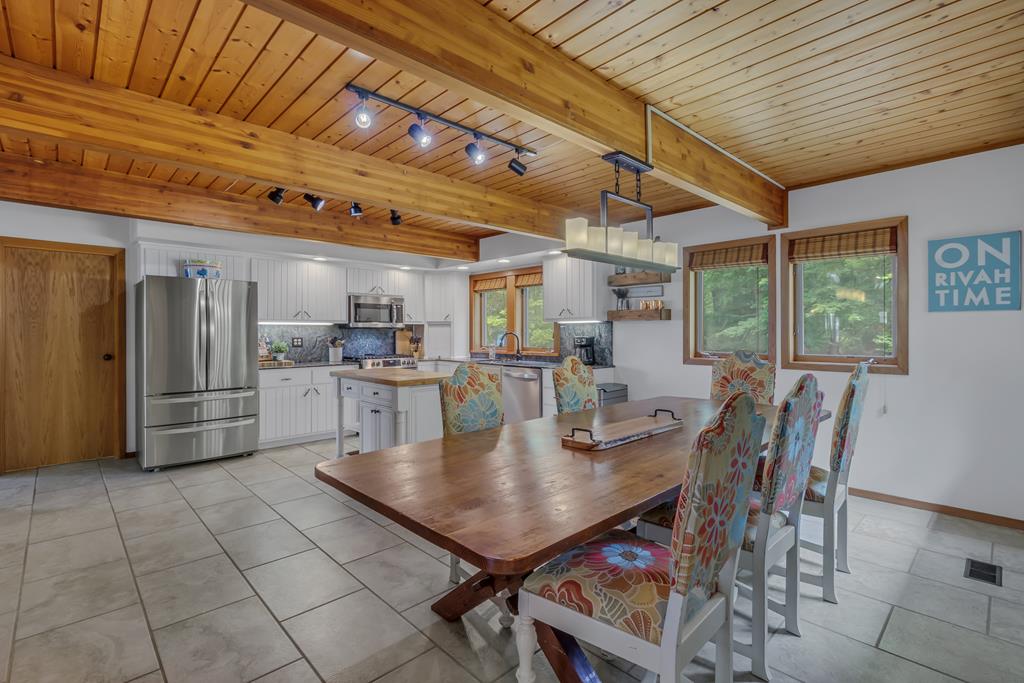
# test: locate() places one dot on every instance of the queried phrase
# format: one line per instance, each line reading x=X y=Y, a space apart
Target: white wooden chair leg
x=759 y=626
x=526 y=644
x=828 y=558
x=505 y=620
x=453 y=570
x=723 y=652
x=793 y=589
x=842 y=564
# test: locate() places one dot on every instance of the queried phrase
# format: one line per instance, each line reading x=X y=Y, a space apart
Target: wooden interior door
x=63 y=353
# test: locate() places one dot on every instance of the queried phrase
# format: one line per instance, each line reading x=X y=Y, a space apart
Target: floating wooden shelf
x=664 y=314
x=644 y=277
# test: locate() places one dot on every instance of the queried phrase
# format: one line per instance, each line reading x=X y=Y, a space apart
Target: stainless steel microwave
x=376 y=310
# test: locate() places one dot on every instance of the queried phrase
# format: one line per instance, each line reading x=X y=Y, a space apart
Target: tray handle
x=663 y=410
x=572 y=434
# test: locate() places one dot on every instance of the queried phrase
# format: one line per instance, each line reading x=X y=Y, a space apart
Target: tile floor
x=249 y=569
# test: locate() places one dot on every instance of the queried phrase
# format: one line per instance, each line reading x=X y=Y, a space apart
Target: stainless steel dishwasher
x=521 y=393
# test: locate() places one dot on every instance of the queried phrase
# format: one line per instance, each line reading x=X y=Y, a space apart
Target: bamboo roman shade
x=856 y=243
x=529 y=280
x=489 y=284
x=727 y=257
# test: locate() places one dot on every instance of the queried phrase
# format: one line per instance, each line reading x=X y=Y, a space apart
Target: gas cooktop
x=391 y=360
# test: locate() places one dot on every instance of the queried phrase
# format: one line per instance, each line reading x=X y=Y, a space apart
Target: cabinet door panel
x=369 y=429
x=323 y=409
x=284 y=412
x=385 y=428
x=555 y=287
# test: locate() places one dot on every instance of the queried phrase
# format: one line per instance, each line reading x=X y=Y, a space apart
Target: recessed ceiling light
x=553 y=252
x=319 y=258
x=461 y=267
x=504 y=260
x=405 y=268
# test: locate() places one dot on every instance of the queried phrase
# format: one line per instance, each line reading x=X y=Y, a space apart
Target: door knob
x=108 y=356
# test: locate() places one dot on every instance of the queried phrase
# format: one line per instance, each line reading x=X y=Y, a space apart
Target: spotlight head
x=396 y=218
x=316 y=202
x=420 y=134
x=364 y=119
x=517 y=167
x=475 y=153
x=276 y=195
x=355 y=210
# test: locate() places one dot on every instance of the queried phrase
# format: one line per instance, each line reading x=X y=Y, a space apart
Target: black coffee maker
x=583 y=348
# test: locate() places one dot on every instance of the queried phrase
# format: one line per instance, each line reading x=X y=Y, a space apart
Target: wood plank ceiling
x=805 y=91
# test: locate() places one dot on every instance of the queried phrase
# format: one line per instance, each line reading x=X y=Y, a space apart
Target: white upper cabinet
x=410 y=286
x=300 y=290
x=574 y=289
x=167 y=260
x=440 y=292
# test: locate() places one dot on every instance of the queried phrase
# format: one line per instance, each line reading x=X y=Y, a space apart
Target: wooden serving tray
x=618 y=433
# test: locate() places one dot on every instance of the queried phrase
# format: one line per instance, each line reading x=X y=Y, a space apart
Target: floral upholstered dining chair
x=471 y=400
x=743 y=371
x=653 y=605
x=575 y=389
x=773 y=525
x=826 y=495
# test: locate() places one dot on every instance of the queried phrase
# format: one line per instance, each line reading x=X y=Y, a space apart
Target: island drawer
x=350 y=388
x=378 y=393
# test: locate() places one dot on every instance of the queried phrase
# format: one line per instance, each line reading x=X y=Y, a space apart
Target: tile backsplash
x=359 y=341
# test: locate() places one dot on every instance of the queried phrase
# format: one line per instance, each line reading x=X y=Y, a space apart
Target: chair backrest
x=791 y=448
x=743 y=371
x=574 y=386
x=471 y=400
x=712 y=510
x=851 y=405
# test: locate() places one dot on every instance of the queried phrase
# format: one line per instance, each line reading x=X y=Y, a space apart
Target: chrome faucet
x=519 y=343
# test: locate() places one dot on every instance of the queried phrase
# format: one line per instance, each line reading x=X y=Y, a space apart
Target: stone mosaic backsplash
x=359 y=341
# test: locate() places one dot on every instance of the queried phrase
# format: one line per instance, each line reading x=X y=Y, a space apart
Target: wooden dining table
x=509 y=499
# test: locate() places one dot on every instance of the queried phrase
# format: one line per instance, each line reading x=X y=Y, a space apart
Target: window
x=845 y=296
x=730 y=300
x=511 y=302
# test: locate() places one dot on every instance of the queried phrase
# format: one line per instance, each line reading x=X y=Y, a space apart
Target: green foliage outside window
x=537 y=334
x=495 y=315
x=734 y=316
x=847 y=306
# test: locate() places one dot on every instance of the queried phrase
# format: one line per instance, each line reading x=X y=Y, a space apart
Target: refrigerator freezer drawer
x=195 y=442
x=200 y=406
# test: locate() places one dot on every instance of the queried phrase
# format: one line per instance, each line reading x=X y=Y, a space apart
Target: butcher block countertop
x=393 y=377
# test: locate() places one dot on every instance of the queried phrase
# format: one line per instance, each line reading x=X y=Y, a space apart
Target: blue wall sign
x=976 y=273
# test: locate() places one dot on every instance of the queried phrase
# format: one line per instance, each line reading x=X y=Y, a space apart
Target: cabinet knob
x=376 y=393
x=108 y=356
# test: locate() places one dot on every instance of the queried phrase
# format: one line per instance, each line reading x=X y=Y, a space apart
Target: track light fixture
x=420 y=134
x=276 y=195
x=475 y=152
x=364 y=119
x=355 y=210
x=516 y=166
x=316 y=202
x=396 y=218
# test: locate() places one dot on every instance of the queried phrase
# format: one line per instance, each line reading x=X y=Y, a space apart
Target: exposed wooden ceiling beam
x=64 y=186
x=473 y=51
x=40 y=102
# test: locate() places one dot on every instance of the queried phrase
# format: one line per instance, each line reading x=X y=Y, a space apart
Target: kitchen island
x=395 y=406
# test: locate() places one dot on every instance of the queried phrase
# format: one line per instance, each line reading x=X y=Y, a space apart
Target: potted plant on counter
x=278 y=349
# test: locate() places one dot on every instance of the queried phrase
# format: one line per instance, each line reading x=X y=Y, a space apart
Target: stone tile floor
x=249 y=569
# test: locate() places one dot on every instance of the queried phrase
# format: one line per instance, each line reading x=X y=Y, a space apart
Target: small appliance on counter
x=612 y=392
x=583 y=348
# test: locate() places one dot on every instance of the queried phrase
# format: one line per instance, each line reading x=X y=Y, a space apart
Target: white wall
x=947 y=433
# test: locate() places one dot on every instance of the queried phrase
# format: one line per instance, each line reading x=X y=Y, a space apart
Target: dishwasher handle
x=525 y=376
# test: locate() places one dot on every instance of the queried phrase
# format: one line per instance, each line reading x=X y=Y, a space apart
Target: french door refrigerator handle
x=205 y=427
x=204 y=335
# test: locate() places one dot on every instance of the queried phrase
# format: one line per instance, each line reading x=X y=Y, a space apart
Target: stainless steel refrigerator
x=196 y=370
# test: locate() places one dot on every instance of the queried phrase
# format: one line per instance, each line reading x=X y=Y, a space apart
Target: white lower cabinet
x=296 y=405
x=378 y=427
x=390 y=416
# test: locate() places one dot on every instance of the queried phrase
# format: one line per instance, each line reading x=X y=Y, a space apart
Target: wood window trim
x=899 y=364
x=690 y=289
x=512 y=316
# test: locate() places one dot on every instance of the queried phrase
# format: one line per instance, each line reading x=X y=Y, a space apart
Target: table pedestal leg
x=472 y=592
